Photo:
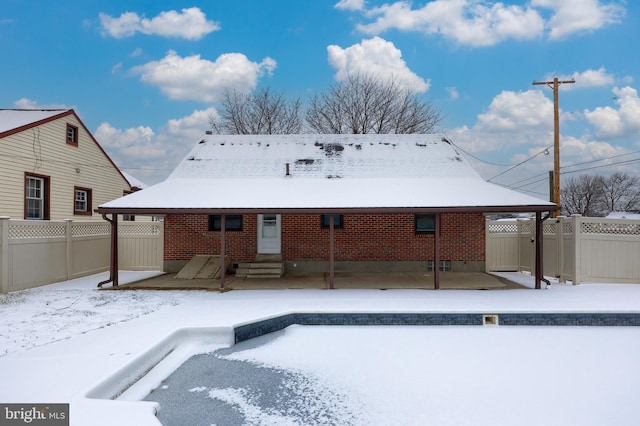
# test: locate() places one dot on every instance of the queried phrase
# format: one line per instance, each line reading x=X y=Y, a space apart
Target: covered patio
x=329 y=175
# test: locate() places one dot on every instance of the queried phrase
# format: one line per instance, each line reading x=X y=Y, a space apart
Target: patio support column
x=223 y=249
x=538 y=258
x=436 y=253
x=331 y=252
x=113 y=268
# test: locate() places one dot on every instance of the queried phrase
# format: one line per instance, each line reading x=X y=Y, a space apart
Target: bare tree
x=366 y=104
x=582 y=195
x=260 y=112
x=621 y=192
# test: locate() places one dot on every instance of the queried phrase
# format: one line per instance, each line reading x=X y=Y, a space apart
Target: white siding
x=43 y=150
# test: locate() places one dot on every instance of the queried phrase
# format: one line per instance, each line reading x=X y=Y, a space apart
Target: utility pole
x=556 y=137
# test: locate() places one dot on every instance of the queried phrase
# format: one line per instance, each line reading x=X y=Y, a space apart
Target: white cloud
x=486 y=23
x=150 y=156
x=377 y=57
x=190 y=24
x=453 y=93
x=521 y=111
x=191 y=127
x=25 y=103
x=136 y=52
x=583 y=149
x=194 y=78
x=624 y=121
x=350 y=5
x=588 y=78
x=577 y=16
x=468 y=22
x=116 y=68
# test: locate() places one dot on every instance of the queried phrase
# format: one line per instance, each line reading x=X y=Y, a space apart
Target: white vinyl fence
x=34 y=253
x=577 y=249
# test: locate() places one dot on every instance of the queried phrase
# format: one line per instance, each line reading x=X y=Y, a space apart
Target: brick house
x=327 y=202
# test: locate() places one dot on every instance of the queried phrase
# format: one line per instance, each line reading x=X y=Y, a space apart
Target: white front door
x=269 y=233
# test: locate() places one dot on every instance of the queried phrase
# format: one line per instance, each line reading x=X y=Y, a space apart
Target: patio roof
x=324 y=173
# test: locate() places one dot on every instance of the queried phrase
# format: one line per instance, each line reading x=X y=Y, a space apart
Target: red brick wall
x=188 y=235
x=364 y=237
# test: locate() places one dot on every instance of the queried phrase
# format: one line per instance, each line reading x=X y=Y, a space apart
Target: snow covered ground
x=62 y=342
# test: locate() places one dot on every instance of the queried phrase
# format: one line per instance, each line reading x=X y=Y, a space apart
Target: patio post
x=538 y=258
x=223 y=249
x=113 y=268
x=331 y=252
x=436 y=253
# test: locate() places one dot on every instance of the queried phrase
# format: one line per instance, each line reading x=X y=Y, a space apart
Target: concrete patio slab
x=342 y=280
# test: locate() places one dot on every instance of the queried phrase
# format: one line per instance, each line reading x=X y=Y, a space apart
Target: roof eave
x=330 y=210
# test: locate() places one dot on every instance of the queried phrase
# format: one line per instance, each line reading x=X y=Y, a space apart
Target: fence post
x=559 y=247
x=560 y=235
x=519 y=243
x=69 y=256
x=575 y=240
x=487 y=267
x=4 y=254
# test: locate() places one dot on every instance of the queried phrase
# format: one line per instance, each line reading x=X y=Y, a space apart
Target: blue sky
x=146 y=76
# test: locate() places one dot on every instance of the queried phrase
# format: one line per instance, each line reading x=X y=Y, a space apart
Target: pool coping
x=277 y=323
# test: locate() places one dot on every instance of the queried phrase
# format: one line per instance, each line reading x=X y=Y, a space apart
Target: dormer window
x=72 y=135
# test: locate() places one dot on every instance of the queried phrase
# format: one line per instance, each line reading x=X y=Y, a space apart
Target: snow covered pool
x=410 y=375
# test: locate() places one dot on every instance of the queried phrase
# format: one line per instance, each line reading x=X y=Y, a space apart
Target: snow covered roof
x=635 y=215
x=325 y=173
x=15 y=118
x=134 y=182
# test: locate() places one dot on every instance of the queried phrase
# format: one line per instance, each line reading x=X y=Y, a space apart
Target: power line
x=574 y=165
x=477 y=158
x=546 y=150
x=602 y=166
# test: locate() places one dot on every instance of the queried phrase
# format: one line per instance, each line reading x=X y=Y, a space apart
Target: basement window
x=338 y=221
x=445 y=266
x=232 y=222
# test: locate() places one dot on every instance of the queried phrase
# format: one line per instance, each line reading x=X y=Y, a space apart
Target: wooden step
x=260 y=270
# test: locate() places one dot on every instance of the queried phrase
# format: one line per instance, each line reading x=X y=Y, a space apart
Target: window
x=82 y=201
x=425 y=223
x=338 y=220
x=232 y=222
x=129 y=217
x=72 y=135
x=445 y=266
x=36 y=197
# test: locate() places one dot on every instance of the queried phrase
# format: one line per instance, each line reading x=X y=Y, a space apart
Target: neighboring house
x=321 y=202
x=51 y=167
x=633 y=214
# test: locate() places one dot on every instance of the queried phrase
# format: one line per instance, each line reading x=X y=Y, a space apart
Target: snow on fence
x=34 y=253
x=577 y=249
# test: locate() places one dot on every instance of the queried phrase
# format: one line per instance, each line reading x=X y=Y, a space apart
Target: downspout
x=113 y=268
